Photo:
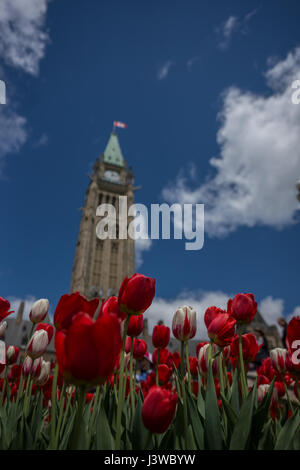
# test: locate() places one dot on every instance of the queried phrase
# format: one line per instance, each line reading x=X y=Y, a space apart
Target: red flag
x=120 y=124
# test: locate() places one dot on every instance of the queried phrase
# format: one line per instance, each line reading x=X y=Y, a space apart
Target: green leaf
x=235 y=393
x=267 y=439
x=242 y=428
x=231 y=416
x=104 y=438
x=196 y=422
x=213 y=428
x=286 y=435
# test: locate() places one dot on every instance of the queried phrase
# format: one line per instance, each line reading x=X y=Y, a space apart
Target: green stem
x=79 y=417
x=121 y=388
x=132 y=400
x=156 y=367
x=53 y=407
x=61 y=413
x=244 y=385
x=287 y=394
x=188 y=365
x=185 y=421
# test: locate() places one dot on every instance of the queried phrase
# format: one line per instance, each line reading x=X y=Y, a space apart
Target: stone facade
x=101 y=265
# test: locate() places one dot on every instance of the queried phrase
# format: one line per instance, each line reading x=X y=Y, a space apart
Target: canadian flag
x=120 y=124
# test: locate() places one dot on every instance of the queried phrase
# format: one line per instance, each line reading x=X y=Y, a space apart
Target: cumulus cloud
x=259 y=163
x=12 y=132
x=22 y=38
x=233 y=24
x=163 y=71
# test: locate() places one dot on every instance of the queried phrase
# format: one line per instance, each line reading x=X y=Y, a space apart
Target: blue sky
x=193 y=80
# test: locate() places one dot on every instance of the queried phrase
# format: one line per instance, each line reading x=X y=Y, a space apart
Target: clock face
x=112 y=176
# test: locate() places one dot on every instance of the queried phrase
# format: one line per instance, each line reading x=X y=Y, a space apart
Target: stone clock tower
x=100 y=265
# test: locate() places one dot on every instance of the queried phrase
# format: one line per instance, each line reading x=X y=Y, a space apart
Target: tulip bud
x=47 y=327
x=12 y=353
x=44 y=374
x=184 y=323
x=136 y=294
x=221 y=330
x=161 y=336
x=243 y=308
x=31 y=367
x=135 y=326
x=4 y=308
x=262 y=392
x=38 y=344
x=159 y=409
x=203 y=360
x=139 y=348
x=278 y=358
x=3 y=326
x=39 y=310
x=193 y=365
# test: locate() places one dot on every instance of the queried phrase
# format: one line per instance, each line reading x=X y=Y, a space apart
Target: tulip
x=293 y=335
x=193 y=365
x=242 y=307
x=262 y=391
x=2 y=356
x=165 y=357
x=139 y=348
x=164 y=374
x=4 y=308
x=42 y=378
x=39 y=310
x=88 y=350
x=3 y=326
x=176 y=359
x=111 y=305
x=184 y=323
x=203 y=360
x=136 y=294
x=221 y=330
x=199 y=346
x=292 y=365
x=135 y=325
x=46 y=327
x=37 y=344
x=160 y=336
x=211 y=313
x=31 y=367
x=250 y=347
x=278 y=358
x=15 y=372
x=69 y=306
x=12 y=353
x=159 y=409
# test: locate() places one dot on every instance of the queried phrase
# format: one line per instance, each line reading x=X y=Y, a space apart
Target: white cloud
x=22 y=38
x=141 y=246
x=15 y=303
x=259 y=162
x=12 y=132
x=163 y=71
x=233 y=24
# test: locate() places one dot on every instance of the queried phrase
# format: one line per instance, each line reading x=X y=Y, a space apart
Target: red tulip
x=165 y=357
x=87 y=352
x=203 y=360
x=4 y=308
x=69 y=305
x=250 y=347
x=46 y=327
x=111 y=305
x=164 y=374
x=136 y=294
x=176 y=359
x=199 y=346
x=159 y=409
x=221 y=330
x=242 y=307
x=135 y=326
x=193 y=365
x=161 y=336
x=139 y=348
x=210 y=314
x=293 y=335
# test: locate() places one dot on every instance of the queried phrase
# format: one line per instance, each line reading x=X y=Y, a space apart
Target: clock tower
x=101 y=265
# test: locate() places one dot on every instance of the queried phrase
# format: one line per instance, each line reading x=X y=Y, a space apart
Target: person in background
x=263 y=353
x=282 y=322
x=146 y=367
